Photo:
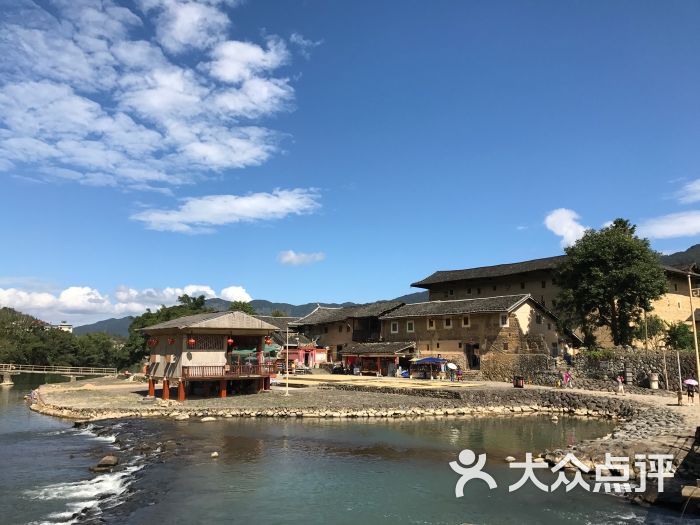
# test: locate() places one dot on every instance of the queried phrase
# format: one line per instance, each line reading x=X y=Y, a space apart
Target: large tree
x=609 y=278
x=242 y=306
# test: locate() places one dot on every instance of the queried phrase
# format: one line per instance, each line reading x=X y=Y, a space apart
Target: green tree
x=279 y=313
x=242 y=306
x=679 y=336
x=653 y=329
x=609 y=277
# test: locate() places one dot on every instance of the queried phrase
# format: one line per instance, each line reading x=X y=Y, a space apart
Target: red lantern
x=230 y=341
x=171 y=340
x=152 y=342
x=191 y=341
x=268 y=340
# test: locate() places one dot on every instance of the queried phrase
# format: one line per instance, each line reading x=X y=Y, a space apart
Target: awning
x=428 y=361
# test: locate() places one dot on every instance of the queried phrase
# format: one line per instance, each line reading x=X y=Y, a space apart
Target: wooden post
x=166 y=389
x=222 y=388
x=151 y=388
x=695 y=332
x=181 y=390
x=379 y=365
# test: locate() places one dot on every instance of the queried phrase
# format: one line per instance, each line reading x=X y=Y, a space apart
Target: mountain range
x=120 y=326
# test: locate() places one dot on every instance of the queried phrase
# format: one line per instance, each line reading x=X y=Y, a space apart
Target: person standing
x=691 y=394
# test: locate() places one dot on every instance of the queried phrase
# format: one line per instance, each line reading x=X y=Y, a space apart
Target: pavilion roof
x=218 y=321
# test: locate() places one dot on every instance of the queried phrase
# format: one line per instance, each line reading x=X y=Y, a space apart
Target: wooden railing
x=67 y=370
x=219 y=371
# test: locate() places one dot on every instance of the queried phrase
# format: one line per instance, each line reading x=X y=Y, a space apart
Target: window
x=505 y=346
x=469 y=291
x=675 y=287
x=427 y=347
x=452 y=292
x=504 y=320
x=340 y=329
x=466 y=321
x=549 y=326
x=494 y=287
x=438 y=345
x=409 y=327
x=522 y=286
x=478 y=291
x=448 y=322
x=459 y=345
x=544 y=284
x=538 y=318
x=394 y=327
x=431 y=324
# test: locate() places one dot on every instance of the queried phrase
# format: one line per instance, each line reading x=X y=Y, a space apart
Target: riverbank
x=646 y=424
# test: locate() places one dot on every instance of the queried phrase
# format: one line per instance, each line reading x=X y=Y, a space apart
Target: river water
x=286 y=471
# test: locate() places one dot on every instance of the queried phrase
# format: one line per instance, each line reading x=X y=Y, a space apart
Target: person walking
x=620 y=385
x=691 y=394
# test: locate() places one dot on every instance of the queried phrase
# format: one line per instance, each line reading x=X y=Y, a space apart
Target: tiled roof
x=378 y=348
x=323 y=314
x=213 y=320
x=280 y=322
x=280 y=337
x=502 y=270
x=503 y=303
x=499 y=270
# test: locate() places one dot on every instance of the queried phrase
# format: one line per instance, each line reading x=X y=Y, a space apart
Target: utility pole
x=695 y=332
x=286 y=362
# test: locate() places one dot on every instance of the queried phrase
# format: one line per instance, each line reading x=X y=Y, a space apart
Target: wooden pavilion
x=211 y=353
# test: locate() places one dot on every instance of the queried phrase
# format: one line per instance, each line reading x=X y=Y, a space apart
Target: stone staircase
x=471 y=375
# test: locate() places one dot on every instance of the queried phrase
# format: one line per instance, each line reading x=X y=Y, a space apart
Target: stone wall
x=498 y=366
x=606 y=365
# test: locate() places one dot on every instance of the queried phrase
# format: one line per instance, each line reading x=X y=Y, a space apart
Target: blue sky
x=330 y=151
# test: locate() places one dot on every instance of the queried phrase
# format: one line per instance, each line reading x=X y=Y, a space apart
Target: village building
x=337 y=328
x=378 y=358
x=536 y=278
x=218 y=353
x=464 y=330
x=299 y=350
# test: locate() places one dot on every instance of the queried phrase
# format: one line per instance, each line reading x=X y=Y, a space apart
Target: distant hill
x=111 y=326
x=690 y=256
x=262 y=307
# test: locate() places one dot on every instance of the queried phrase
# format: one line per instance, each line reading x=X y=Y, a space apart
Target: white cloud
x=236 y=61
x=565 y=223
x=182 y=24
x=84 y=93
x=303 y=44
x=682 y=224
x=235 y=293
x=201 y=214
x=293 y=258
x=83 y=304
x=690 y=192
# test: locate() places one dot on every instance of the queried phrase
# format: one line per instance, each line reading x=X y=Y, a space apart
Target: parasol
x=452 y=366
x=690 y=382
